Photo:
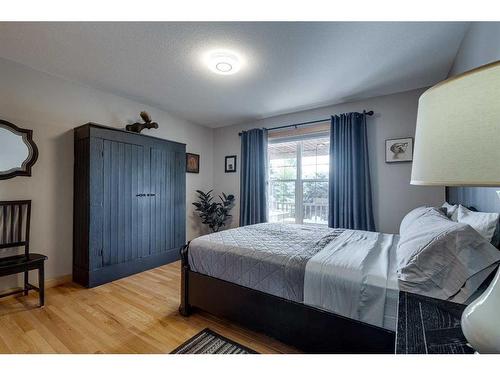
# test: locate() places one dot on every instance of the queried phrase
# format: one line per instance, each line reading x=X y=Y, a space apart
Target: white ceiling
x=289 y=66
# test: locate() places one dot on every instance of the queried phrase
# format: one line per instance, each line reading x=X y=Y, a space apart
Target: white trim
x=300 y=137
x=299 y=181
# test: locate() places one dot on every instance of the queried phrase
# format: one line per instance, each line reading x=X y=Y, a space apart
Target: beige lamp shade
x=457 y=140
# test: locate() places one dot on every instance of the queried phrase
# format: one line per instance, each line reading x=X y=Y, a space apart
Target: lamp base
x=481 y=319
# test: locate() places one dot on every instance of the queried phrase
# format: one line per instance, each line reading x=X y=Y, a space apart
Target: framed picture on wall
x=192 y=163
x=230 y=164
x=399 y=150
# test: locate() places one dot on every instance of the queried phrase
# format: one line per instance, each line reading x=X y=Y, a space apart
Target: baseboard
x=49 y=283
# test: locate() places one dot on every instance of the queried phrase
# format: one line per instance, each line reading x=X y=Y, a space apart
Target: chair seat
x=21 y=260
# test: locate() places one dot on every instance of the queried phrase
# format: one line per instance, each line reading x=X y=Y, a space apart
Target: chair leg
x=41 y=284
x=26 y=281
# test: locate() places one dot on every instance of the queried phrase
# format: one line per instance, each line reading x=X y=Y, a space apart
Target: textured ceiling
x=289 y=66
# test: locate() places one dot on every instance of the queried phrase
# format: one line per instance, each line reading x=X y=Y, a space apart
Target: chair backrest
x=15 y=224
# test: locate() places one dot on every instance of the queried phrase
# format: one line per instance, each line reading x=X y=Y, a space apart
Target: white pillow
x=450 y=209
x=483 y=222
x=441 y=258
x=411 y=216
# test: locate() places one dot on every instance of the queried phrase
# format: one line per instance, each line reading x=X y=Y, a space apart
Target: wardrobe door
x=161 y=198
x=125 y=205
x=95 y=175
x=179 y=205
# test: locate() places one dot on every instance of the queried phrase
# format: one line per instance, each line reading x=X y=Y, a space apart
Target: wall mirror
x=18 y=152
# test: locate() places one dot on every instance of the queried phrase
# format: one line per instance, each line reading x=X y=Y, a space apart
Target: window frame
x=299 y=181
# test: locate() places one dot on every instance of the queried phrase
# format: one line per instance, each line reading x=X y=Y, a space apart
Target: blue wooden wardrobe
x=129 y=203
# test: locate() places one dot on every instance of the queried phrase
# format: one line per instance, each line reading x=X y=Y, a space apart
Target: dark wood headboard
x=482 y=199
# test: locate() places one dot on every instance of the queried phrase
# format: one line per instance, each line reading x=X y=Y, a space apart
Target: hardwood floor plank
x=3 y=346
x=137 y=314
x=56 y=344
x=39 y=343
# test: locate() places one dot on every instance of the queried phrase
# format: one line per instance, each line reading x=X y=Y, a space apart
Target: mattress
x=307 y=264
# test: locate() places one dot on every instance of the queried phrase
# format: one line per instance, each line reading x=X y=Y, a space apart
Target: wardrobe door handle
x=140 y=195
x=151 y=195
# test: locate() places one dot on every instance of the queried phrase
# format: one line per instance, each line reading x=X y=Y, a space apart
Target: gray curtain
x=253 y=179
x=350 y=192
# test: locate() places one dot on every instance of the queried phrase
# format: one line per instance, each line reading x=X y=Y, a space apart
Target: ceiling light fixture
x=223 y=62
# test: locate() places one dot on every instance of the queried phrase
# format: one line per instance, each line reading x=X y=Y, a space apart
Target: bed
x=319 y=289
x=279 y=270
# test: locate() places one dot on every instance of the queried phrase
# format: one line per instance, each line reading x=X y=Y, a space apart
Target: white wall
x=52 y=107
x=395 y=116
x=481 y=45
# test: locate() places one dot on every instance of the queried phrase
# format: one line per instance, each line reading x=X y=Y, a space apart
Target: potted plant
x=214 y=214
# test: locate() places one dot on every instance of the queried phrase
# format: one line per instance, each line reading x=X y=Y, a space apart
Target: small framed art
x=230 y=164
x=192 y=163
x=399 y=150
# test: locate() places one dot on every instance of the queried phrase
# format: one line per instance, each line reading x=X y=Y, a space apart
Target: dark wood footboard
x=305 y=327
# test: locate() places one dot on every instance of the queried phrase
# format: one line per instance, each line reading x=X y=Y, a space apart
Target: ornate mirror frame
x=27 y=136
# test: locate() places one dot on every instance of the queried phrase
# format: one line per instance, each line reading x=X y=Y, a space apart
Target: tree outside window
x=298 y=174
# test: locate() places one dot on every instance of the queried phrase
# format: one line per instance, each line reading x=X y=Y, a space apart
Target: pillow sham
x=483 y=222
x=438 y=257
x=413 y=215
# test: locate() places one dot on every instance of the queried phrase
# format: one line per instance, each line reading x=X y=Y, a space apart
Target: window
x=298 y=180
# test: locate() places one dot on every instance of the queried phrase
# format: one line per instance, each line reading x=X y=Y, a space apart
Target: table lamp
x=457 y=143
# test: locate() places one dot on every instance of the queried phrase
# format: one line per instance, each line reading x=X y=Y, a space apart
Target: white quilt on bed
x=355 y=276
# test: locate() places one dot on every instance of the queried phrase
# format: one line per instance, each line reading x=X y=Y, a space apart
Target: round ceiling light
x=223 y=62
x=224 y=67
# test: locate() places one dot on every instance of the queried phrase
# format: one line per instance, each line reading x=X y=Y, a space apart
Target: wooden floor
x=137 y=314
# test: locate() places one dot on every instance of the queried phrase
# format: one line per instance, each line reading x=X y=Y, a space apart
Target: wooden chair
x=15 y=232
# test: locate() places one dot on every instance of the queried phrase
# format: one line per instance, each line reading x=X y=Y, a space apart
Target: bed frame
x=304 y=327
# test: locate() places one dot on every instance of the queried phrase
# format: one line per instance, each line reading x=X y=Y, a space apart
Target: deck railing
x=312 y=212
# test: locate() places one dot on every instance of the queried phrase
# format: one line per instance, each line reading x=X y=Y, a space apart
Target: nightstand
x=429 y=326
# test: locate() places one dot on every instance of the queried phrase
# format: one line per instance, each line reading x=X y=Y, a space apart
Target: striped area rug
x=209 y=342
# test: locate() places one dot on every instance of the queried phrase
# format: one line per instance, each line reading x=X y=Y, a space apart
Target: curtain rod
x=368 y=113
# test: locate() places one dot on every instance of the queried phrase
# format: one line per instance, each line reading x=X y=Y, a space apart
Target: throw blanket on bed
x=342 y=271
x=268 y=257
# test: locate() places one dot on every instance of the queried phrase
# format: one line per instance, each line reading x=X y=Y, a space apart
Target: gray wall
x=52 y=107
x=395 y=116
x=480 y=46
